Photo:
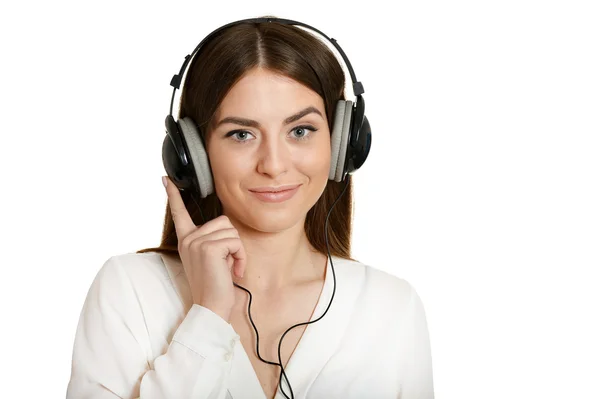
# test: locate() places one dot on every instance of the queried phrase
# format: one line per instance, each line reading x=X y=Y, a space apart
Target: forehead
x=264 y=93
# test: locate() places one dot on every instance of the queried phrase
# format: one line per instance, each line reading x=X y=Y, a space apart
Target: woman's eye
x=302 y=132
x=239 y=135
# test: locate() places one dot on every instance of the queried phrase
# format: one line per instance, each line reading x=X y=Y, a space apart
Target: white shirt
x=140 y=335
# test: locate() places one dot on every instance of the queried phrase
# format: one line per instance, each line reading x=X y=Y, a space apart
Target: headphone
x=187 y=165
x=185 y=158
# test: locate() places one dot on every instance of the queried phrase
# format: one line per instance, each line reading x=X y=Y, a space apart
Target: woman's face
x=263 y=137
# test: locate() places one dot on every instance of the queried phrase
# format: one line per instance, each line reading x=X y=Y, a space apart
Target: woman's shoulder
x=150 y=275
x=380 y=283
x=139 y=294
x=386 y=304
x=138 y=263
x=143 y=267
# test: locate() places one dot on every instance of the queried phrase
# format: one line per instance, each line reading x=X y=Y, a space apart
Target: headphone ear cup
x=360 y=150
x=175 y=157
x=198 y=155
x=339 y=139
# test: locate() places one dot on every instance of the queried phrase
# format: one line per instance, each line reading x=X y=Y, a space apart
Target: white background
x=481 y=189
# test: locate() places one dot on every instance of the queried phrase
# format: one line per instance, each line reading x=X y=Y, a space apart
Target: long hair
x=286 y=50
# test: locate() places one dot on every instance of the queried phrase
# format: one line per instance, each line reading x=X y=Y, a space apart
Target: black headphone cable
x=280 y=364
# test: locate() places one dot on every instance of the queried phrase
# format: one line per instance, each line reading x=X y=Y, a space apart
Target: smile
x=275 y=196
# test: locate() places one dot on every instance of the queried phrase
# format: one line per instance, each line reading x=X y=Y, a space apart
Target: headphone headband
x=357 y=87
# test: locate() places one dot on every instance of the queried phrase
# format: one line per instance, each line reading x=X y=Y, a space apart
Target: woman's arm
x=110 y=354
x=417 y=377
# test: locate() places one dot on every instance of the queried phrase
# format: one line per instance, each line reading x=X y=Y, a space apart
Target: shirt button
x=228 y=356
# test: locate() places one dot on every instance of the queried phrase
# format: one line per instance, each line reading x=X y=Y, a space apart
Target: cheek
x=318 y=158
x=226 y=167
x=321 y=157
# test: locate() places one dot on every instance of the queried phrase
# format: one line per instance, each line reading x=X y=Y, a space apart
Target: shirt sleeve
x=111 y=350
x=417 y=381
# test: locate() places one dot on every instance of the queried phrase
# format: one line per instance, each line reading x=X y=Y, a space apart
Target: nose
x=273 y=156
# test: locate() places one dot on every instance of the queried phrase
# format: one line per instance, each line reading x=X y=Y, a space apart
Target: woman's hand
x=208 y=253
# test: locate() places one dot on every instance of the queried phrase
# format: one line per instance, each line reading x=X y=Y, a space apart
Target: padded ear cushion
x=339 y=139
x=198 y=155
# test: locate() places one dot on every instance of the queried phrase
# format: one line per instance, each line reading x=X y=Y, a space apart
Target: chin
x=272 y=221
x=272 y=217
x=267 y=218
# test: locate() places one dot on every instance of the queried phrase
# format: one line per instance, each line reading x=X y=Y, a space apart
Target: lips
x=275 y=194
x=274 y=189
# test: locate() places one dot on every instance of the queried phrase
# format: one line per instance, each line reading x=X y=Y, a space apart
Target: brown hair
x=286 y=50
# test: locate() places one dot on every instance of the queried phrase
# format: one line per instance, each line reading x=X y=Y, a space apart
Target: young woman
x=253 y=292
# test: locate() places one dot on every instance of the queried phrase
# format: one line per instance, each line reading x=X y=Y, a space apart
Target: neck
x=278 y=261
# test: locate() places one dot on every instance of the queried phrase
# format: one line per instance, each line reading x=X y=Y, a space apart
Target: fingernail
x=164 y=179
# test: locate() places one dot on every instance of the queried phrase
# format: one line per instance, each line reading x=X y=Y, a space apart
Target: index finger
x=184 y=224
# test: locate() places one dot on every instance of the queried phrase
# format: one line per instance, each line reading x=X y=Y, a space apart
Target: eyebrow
x=252 y=123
